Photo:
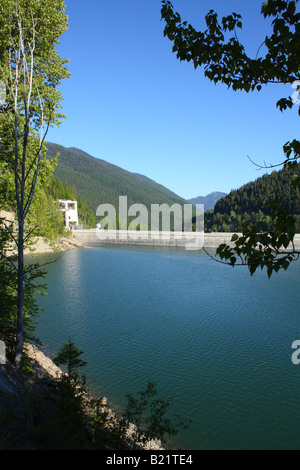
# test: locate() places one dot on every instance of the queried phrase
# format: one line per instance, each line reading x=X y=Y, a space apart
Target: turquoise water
x=212 y=337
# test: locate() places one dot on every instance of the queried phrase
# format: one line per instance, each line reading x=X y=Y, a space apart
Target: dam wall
x=189 y=240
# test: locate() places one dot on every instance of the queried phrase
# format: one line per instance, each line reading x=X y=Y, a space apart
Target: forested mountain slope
x=99 y=182
x=247 y=202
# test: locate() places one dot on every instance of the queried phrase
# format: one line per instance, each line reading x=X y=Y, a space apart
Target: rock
x=43 y=361
x=103 y=401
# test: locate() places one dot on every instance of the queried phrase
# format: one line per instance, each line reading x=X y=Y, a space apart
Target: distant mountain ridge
x=98 y=181
x=209 y=201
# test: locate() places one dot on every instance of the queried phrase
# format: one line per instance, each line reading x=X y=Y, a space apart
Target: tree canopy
x=249 y=203
x=30 y=71
x=224 y=60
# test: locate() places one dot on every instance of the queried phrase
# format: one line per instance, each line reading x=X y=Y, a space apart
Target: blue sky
x=131 y=102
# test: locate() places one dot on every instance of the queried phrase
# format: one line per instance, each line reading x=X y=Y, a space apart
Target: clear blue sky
x=131 y=102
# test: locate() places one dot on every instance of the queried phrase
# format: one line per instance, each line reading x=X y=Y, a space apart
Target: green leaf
x=252 y=268
x=233 y=260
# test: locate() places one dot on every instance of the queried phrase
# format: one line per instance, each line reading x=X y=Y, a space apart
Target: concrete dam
x=188 y=240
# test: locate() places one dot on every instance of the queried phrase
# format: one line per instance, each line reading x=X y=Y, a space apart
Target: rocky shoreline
x=12 y=383
x=40 y=360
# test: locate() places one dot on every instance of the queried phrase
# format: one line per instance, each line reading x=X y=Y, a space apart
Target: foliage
x=31 y=71
x=47 y=217
x=263 y=249
x=33 y=274
x=69 y=355
x=31 y=68
x=148 y=413
x=71 y=390
x=224 y=60
x=98 y=181
x=103 y=436
x=44 y=217
x=66 y=417
x=61 y=414
x=249 y=204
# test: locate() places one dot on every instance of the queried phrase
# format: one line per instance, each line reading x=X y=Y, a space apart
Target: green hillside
x=99 y=182
x=246 y=203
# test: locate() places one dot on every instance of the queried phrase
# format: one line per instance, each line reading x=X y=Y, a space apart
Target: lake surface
x=210 y=336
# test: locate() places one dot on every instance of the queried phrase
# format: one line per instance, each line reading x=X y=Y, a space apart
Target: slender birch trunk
x=31 y=70
x=20 y=301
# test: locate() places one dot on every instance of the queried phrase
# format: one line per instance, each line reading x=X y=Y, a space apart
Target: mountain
x=209 y=201
x=99 y=182
x=247 y=202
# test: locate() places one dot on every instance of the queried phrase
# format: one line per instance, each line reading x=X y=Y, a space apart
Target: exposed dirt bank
x=40 y=245
x=60 y=244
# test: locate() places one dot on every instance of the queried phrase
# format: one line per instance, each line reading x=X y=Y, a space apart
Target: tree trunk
x=20 y=301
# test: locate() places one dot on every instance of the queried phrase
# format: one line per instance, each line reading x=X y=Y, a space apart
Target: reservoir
x=214 y=339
